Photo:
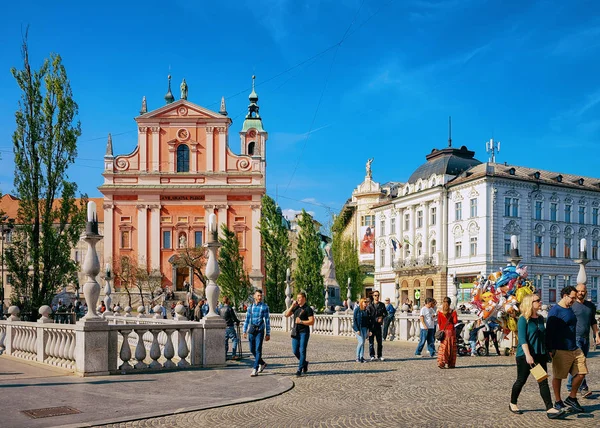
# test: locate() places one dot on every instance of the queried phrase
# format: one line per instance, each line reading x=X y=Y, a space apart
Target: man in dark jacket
x=378 y=313
x=228 y=314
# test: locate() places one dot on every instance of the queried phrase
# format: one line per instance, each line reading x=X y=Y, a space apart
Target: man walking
x=585 y=311
x=228 y=314
x=303 y=319
x=257 y=323
x=427 y=321
x=377 y=311
x=389 y=319
x=562 y=344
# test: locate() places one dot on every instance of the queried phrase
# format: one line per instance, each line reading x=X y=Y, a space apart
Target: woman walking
x=447 y=351
x=362 y=327
x=530 y=352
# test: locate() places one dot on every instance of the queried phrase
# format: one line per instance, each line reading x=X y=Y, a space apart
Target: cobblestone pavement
x=400 y=391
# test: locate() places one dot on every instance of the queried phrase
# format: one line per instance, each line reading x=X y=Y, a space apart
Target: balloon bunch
x=497 y=297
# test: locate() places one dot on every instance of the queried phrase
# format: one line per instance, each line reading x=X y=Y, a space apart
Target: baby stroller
x=464 y=347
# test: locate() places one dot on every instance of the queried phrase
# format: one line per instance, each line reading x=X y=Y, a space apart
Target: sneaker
x=299 y=373
x=362 y=360
x=261 y=367
x=254 y=373
x=574 y=405
x=358 y=360
x=560 y=405
x=305 y=368
x=473 y=355
x=554 y=413
x=381 y=359
x=418 y=355
x=372 y=359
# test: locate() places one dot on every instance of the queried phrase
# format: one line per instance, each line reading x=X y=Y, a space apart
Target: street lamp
x=6 y=225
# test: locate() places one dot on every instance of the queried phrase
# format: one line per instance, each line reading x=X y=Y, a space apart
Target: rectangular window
x=393 y=225
x=581 y=214
x=515 y=207
x=473 y=246
x=9 y=279
x=382 y=227
x=507 y=204
x=458 y=249
x=406 y=221
x=473 y=207
x=419 y=219
x=567 y=280
x=594 y=249
x=506 y=245
x=552 y=288
x=595 y=216
x=166 y=239
x=552 y=295
x=433 y=216
x=538 y=210
x=568 y=244
x=553 y=211
x=537 y=282
x=370 y=220
x=553 y=245
x=77 y=256
x=537 y=246
x=392 y=252
x=382 y=256
x=458 y=211
x=568 y=213
x=198 y=238
x=594 y=290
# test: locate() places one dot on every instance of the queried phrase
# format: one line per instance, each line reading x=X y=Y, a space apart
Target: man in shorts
x=561 y=342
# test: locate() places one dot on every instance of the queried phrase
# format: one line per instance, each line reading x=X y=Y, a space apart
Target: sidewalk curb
x=284 y=384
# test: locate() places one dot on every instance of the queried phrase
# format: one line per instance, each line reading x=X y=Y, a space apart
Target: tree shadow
x=94 y=382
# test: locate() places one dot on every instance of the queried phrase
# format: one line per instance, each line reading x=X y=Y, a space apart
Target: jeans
x=426 y=335
x=583 y=343
x=299 y=344
x=523 y=370
x=231 y=334
x=376 y=335
x=473 y=347
x=256 y=342
x=386 y=325
x=360 y=349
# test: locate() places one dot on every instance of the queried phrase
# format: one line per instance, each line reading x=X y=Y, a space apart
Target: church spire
x=169 y=98
x=109 y=149
x=253 y=106
x=144 y=108
x=223 y=110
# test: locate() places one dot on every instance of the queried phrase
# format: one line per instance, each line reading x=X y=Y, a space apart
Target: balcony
x=415 y=263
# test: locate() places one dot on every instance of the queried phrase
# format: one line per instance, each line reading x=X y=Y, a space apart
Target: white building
x=454 y=218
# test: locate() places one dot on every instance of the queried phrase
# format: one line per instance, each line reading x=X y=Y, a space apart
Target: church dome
x=448 y=161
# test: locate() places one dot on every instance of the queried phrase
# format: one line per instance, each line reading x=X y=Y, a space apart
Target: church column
x=426 y=229
x=142 y=144
x=256 y=243
x=222 y=148
x=210 y=143
x=194 y=157
x=222 y=217
x=400 y=223
x=413 y=231
x=142 y=234
x=156 y=151
x=155 y=236
x=108 y=233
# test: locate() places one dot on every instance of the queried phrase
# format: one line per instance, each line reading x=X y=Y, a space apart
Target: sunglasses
x=536 y=300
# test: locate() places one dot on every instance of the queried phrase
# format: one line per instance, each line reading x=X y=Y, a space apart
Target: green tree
x=45 y=145
x=276 y=249
x=347 y=265
x=307 y=275
x=233 y=280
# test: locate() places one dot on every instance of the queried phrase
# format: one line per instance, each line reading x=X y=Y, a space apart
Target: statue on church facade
x=182 y=241
x=369 y=162
x=184 y=90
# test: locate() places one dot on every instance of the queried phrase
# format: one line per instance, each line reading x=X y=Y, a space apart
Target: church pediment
x=182 y=109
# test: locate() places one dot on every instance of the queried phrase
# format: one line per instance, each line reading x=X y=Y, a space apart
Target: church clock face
x=252 y=134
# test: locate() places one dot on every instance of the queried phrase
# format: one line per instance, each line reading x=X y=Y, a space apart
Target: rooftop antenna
x=492 y=147
x=449 y=131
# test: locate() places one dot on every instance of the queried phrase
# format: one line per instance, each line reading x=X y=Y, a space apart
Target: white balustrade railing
x=59 y=349
x=24 y=342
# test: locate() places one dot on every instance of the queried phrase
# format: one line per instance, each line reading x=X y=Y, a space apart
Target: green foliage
x=233 y=280
x=345 y=260
x=44 y=144
x=276 y=249
x=307 y=275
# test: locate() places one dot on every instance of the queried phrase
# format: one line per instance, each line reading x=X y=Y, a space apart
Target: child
x=474 y=328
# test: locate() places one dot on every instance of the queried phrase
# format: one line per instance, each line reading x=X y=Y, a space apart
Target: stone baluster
x=155 y=350
x=50 y=347
x=107 y=290
x=66 y=349
x=288 y=288
x=182 y=349
x=169 y=350
x=411 y=332
x=349 y=296
x=140 y=351
x=71 y=353
x=128 y=312
x=125 y=354
x=2 y=339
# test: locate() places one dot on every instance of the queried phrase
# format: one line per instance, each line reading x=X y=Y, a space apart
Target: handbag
x=539 y=373
x=440 y=335
x=253 y=329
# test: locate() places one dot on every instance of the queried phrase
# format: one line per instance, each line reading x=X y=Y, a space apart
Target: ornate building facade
x=158 y=198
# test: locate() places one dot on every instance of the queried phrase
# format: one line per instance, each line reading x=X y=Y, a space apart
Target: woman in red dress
x=447 y=351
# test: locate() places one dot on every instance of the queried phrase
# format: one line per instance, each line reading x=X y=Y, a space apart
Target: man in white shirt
x=427 y=322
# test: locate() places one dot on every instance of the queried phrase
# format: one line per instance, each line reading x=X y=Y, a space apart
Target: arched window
x=183 y=158
x=433 y=247
x=419 y=249
x=251 y=148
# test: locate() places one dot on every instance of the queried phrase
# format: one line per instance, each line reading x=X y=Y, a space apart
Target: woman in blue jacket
x=362 y=327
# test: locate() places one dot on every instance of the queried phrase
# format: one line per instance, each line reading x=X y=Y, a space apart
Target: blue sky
x=525 y=73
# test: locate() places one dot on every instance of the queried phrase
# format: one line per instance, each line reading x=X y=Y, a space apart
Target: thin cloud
x=578 y=43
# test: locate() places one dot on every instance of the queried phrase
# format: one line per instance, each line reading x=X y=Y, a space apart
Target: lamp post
x=5 y=227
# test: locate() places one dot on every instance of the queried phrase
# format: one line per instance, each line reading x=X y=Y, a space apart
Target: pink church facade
x=157 y=199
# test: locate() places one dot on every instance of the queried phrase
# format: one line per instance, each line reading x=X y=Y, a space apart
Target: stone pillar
x=426 y=229
x=155 y=238
x=210 y=145
x=142 y=144
x=222 y=148
x=155 y=149
x=142 y=233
